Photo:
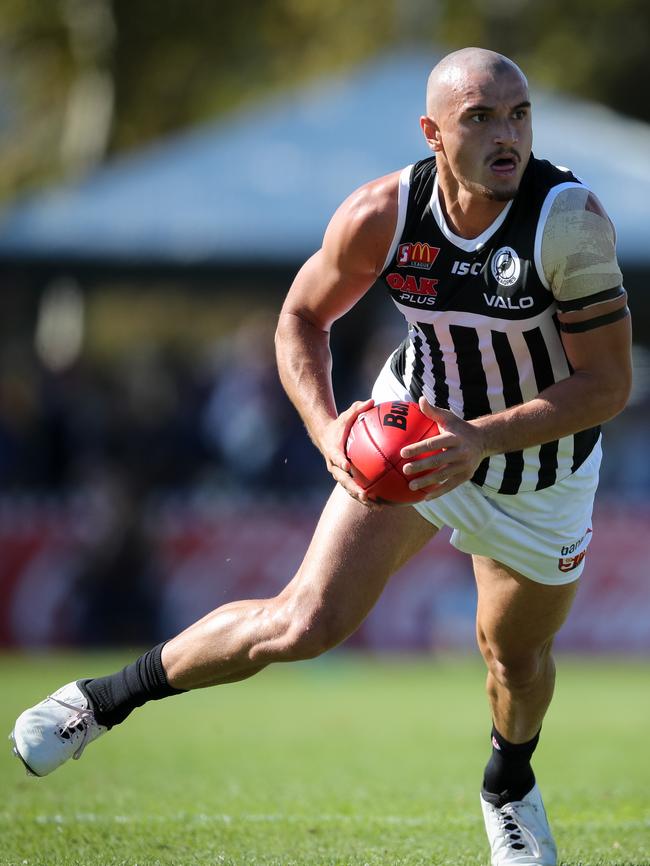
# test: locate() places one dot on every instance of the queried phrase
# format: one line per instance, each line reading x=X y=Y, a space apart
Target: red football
x=374 y=446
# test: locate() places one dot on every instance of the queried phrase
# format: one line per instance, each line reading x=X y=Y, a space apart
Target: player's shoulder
x=578 y=243
x=549 y=176
x=574 y=200
x=372 y=203
x=577 y=210
x=566 y=192
x=365 y=222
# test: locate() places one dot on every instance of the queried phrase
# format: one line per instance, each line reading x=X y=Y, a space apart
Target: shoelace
x=510 y=823
x=82 y=717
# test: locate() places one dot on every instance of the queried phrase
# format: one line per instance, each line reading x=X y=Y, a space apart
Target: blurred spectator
x=116 y=591
x=248 y=424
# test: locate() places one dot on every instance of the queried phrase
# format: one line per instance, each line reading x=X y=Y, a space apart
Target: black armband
x=597 y=322
x=590 y=300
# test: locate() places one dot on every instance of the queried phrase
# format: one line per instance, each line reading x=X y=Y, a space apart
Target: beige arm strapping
x=578 y=246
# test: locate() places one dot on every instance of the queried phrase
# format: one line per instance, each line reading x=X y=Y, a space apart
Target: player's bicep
x=322 y=291
x=597 y=341
x=351 y=257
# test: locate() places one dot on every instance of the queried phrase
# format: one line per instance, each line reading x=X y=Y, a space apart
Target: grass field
x=340 y=761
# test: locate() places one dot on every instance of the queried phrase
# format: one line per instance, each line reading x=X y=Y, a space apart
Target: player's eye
x=479 y=117
x=519 y=114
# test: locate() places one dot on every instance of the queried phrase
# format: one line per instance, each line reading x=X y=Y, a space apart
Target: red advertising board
x=207 y=557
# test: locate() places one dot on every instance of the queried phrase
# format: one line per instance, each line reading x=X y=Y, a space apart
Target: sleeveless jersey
x=482 y=330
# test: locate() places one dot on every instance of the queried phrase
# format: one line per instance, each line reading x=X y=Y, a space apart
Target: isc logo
x=464 y=268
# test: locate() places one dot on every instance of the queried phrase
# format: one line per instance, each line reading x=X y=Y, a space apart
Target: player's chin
x=501 y=193
x=499 y=188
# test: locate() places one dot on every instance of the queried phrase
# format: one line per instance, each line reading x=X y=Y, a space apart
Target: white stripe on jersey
x=409 y=359
x=555 y=348
x=470 y=320
x=402 y=204
x=527 y=383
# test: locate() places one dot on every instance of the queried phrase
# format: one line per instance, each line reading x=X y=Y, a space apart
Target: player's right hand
x=332 y=442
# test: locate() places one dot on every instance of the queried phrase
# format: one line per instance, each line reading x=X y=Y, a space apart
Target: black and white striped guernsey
x=482 y=330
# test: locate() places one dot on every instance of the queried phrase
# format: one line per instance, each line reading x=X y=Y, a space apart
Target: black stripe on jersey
x=440 y=387
x=512 y=396
x=583 y=445
x=544 y=378
x=590 y=300
x=398 y=361
x=415 y=386
x=481 y=473
x=583 y=441
x=473 y=383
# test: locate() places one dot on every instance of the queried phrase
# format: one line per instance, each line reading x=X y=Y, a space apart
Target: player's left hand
x=461 y=451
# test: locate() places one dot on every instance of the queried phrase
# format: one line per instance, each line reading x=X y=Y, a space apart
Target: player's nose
x=506 y=134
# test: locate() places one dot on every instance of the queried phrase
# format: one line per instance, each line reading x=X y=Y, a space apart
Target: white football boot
x=518 y=832
x=59 y=728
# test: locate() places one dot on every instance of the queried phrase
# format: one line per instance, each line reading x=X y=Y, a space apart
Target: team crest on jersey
x=418 y=255
x=506 y=266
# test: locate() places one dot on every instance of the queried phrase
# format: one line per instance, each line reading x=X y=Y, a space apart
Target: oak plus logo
x=506 y=266
x=414 y=290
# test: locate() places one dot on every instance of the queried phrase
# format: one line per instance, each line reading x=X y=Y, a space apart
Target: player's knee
x=519 y=672
x=303 y=627
x=310 y=629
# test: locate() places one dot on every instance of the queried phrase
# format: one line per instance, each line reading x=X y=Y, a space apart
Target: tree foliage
x=162 y=65
x=596 y=49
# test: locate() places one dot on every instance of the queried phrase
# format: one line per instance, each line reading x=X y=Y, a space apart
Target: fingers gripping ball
x=374 y=446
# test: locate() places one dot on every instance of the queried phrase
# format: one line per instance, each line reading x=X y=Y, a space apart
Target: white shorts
x=541 y=534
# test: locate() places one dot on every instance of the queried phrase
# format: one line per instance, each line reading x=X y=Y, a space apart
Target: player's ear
x=431 y=132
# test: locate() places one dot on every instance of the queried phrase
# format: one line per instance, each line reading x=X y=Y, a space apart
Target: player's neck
x=467 y=215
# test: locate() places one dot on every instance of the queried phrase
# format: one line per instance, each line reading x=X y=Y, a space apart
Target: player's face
x=485 y=133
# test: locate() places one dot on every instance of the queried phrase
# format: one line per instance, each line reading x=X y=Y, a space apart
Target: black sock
x=113 y=697
x=508 y=774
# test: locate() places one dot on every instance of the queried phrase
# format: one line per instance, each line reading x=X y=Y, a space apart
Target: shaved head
x=478 y=124
x=457 y=69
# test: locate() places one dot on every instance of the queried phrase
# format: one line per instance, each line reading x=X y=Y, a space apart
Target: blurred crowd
x=165 y=420
x=160 y=418
x=160 y=425
x=220 y=420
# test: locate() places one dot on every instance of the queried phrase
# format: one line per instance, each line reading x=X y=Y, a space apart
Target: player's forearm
x=305 y=368
x=576 y=403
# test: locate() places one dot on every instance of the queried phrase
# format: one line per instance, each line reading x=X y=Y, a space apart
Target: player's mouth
x=504 y=165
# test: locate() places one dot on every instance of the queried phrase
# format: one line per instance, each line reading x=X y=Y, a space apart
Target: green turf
x=340 y=761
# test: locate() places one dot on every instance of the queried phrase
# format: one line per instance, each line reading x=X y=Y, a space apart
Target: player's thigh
x=515 y=615
x=353 y=552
